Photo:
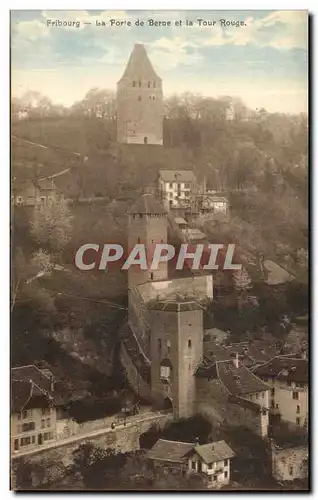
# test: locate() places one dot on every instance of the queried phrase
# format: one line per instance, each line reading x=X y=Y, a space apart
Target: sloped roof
x=214 y=452
x=147 y=204
x=30 y=373
x=177 y=175
x=170 y=451
x=139 y=65
x=236 y=380
x=276 y=275
x=285 y=368
x=175 y=306
x=20 y=395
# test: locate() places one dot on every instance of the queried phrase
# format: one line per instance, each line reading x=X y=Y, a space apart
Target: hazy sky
x=264 y=61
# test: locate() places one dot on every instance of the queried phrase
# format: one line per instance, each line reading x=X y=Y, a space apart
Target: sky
x=264 y=61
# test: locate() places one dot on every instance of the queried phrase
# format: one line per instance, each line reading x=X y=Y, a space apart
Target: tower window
x=189 y=343
x=134 y=83
x=139 y=98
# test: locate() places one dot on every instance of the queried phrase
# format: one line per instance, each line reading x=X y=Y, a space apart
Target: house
x=229 y=392
x=288 y=379
x=177 y=187
x=170 y=454
x=181 y=222
x=193 y=234
x=30 y=193
x=213 y=203
x=212 y=459
x=35 y=408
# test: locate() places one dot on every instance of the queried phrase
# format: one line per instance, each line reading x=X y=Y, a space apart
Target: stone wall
x=136 y=381
x=213 y=403
x=290 y=463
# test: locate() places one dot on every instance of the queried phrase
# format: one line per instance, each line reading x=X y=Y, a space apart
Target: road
x=130 y=422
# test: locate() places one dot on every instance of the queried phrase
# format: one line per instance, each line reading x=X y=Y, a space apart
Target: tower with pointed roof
x=139 y=101
x=147 y=226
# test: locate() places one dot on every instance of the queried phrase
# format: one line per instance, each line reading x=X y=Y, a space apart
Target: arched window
x=189 y=343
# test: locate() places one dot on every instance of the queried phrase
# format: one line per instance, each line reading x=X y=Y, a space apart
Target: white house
x=177 y=187
x=214 y=460
x=288 y=378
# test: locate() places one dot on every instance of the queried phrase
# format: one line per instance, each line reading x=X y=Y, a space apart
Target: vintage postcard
x=159 y=221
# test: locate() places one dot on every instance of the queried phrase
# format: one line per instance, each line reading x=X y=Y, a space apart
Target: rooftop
x=237 y=381
x=276 y=275
x=177 y=175
x=214 y=452
x=170 y=451
x=147 y=204
x=139 y=65
x=175 y=305
x=285 y=368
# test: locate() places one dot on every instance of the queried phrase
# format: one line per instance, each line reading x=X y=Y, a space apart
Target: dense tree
x=51 y=225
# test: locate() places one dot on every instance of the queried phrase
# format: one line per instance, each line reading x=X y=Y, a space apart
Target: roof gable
x=214 y=452
x=139 y=65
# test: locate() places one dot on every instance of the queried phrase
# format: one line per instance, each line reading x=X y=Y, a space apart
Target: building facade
x=31 y=193
x=177 y=188
x=214 y=460
x=140 y=108
x=288 y=378
x=33 y=413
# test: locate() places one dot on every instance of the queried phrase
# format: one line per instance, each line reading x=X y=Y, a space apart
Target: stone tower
x=139 y=102
x=147 y=225
x=176 y=347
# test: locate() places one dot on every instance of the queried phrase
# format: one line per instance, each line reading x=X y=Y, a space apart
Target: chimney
x=236 y=360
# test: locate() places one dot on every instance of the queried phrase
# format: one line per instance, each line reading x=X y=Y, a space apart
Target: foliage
x=52 y=224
